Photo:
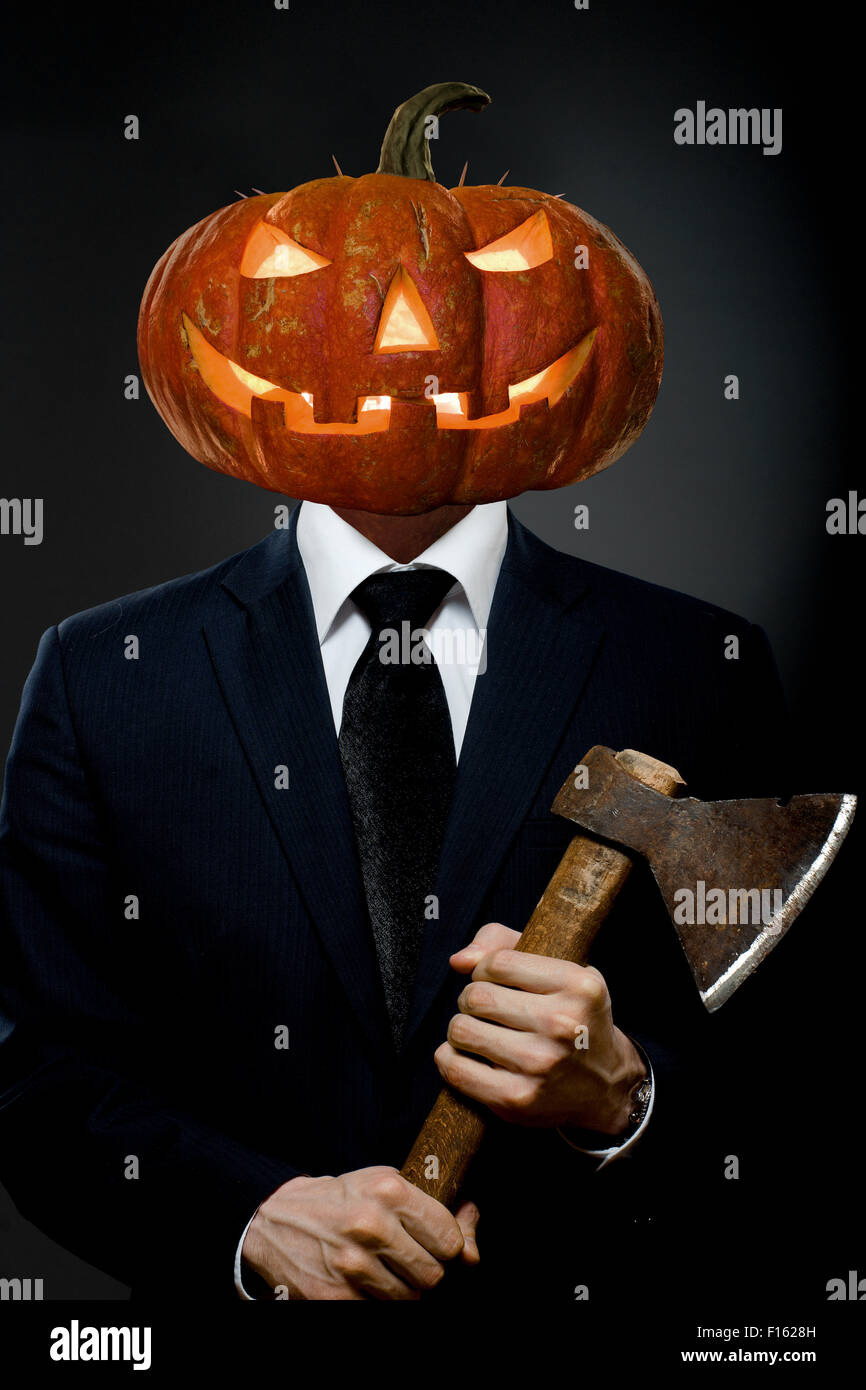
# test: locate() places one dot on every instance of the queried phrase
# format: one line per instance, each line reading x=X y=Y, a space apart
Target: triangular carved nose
x=404 y=324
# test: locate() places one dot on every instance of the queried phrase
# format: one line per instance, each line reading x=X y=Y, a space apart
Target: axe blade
x=734 y=874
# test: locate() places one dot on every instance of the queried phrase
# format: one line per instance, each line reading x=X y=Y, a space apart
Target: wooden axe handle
x=572 y=908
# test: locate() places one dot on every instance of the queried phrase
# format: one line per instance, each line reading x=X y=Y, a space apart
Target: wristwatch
x=641 y=1097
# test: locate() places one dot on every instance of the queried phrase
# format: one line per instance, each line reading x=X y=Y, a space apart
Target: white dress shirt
x=336 y=559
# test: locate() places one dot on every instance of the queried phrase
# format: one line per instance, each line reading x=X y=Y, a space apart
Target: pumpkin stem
x=406 y=148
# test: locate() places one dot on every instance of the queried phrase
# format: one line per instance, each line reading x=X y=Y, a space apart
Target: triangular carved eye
x=527 y=246
x=270 y=253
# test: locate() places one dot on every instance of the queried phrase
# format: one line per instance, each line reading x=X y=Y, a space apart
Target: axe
x=734 y=875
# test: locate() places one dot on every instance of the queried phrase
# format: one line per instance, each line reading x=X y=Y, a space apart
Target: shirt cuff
x=614 y=1151
x=239 y=1283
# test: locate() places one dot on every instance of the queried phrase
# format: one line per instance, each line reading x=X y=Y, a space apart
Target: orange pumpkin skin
x=316 y=333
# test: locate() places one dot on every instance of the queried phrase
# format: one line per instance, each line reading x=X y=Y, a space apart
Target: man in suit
x=195 y=1007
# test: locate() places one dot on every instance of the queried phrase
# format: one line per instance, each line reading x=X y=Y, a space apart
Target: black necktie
x=397 y=748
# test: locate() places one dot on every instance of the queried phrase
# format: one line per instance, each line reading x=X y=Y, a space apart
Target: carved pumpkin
x=388 y=344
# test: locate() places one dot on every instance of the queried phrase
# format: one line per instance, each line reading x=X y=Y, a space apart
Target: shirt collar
x=336 y=558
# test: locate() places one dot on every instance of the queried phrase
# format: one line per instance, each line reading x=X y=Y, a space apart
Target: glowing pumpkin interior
x=237 y=387
x=404 y=326
x=524 y=248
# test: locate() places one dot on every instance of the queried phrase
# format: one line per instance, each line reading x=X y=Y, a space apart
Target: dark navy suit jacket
x=148 y=1032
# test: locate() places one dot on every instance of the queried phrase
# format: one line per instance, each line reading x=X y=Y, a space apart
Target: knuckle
x=521 y=1096
x=456 y=1071
x=452 y=1242
x=430 y=1275
x=443 y=1057
x=488 y=930
x=488 y=962
x=476 y=997
x=388 y=1186
x=351 y=1262
x=561 y=1026
x=594 y=990
x=367 y=1225
x=460 y=1030
x=541 y=1061
x=528 y=1093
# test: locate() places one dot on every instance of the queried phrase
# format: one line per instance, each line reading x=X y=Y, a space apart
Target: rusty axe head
x=734 y=874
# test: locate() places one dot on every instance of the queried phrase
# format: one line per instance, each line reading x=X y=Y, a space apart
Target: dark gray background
x=748 y=255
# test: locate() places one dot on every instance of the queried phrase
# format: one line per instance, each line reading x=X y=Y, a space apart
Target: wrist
x=257 y=1242
x=613 y=1119
x=621 y=1112
x=607 y=1146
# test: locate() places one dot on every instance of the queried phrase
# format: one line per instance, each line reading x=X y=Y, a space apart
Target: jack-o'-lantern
x=388 y=344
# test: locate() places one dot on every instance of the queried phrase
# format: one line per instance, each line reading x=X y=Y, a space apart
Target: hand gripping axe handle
x=572 y=908
x=728 y=851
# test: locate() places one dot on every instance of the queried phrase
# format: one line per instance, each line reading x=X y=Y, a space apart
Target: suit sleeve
x=89 y=1154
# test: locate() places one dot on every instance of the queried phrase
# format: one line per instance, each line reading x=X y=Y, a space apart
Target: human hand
x=363 y=1234
x=547 y=1028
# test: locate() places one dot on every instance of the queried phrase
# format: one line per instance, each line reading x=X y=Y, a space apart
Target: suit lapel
x=540 y=646
x=266 y=655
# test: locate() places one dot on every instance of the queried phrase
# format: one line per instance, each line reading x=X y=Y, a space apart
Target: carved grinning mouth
x=236 y=387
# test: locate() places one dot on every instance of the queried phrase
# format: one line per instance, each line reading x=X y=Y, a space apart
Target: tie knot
x=412 y=596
